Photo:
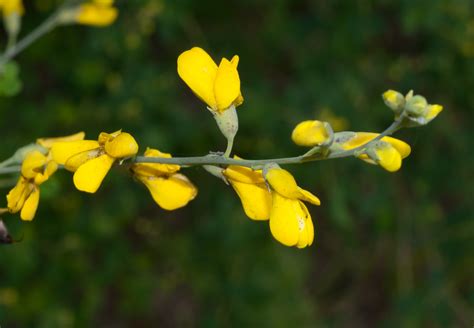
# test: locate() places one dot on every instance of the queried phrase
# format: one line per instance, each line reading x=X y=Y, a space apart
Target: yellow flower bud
x=394 y=100
x=310 y=133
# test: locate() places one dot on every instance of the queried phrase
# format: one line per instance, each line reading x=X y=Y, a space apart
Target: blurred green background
x=391 y=250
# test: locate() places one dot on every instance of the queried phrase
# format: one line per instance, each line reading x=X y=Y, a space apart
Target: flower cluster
x=267 y=192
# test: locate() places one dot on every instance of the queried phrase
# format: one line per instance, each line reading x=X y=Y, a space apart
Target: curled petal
x=170 y=193
x=62 y=151
x=197 y=69
x=227 y=84
x=256 y=199
x=104 y=136
x=48 y=142
x=90 y=175
x=17 y=196
x=33 y=164
x=31 y=205
x=51 y=167
x=123 y=145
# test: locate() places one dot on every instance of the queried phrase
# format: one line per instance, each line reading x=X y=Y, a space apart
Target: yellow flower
x=251 y=188
x=48 y=142
x=290 y=220
x=388 y=153
x=10 y=7
x=310 y=133
x=97 y=13
x=35 y=170
x=91 y=160
x=217 y=86
x=170 y=190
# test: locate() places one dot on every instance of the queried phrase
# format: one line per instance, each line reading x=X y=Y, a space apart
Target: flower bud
x=311 y=133
x=394 y=100
x=416 y=106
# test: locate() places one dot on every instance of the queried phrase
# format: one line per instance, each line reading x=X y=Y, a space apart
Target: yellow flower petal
x=227 y=84
x=48 y=142
x=90 y=175
x=33 y=164
x=123 y=145
x=197 y=69
x=433 y=111
x=243 y=174
x=96 y=15
x=283 y=183
x=361 y=138
x=170 y=193
x=155 y=169
x=309 y=133
x=31 y=205
x=12 y=7
x=62 y=151
x=290 y=222
x=17 y=196
x=74 y=162
x=105 y=137
x=308 y=197
x=388 y=157
x=284 y=220
x=307 y=230
x=256 y=199
x=51 y=167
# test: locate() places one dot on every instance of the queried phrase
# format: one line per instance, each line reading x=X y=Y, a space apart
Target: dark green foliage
x=391 y=250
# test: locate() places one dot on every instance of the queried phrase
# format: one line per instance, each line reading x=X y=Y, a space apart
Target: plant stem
x=255 y=164
x=10 y=169
x=49 y=24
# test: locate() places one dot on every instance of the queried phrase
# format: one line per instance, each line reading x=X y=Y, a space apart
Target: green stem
x=11 y=169
x=255 y=164
x=230 y=144
x=49 y=24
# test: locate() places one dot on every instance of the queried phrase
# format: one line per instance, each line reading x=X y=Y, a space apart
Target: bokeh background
x=391 y=250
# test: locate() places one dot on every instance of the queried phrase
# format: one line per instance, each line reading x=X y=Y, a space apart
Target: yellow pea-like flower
x=251 y=188
x=91 y=160
x=310 y=133
x=217 y=86
x=35 y=170
x=48 y=142
x=386 y=153
x=290 y=220
x=97 y=13
x=169 y=189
